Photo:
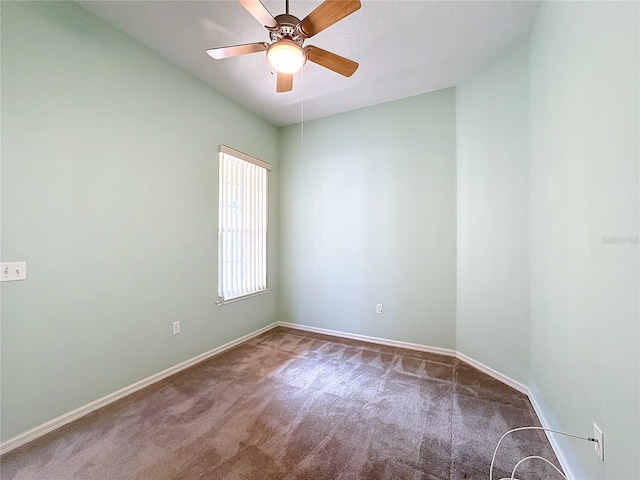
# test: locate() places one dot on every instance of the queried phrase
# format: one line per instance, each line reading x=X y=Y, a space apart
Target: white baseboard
x=494 y=373
x=365 y=338
x=415 y=346
x=564 y=463
x=58 y=422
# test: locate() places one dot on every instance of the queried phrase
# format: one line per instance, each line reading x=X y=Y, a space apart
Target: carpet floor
x=295 y=405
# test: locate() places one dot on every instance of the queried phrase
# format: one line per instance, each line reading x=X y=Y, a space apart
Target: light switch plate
x=12 y=271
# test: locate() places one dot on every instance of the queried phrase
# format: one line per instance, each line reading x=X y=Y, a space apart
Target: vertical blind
x=242 y=225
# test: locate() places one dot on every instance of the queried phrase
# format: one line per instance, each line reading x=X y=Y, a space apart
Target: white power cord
x=493 y=459
x=513 y=472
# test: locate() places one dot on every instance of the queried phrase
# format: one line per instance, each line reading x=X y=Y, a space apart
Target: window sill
x=219 y=303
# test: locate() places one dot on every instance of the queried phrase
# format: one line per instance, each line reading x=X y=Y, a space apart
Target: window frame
x=225 y=150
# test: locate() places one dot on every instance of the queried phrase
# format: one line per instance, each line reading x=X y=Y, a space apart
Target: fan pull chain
x=302 y=107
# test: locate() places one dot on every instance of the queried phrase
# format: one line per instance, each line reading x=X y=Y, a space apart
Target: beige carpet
x=296 y=405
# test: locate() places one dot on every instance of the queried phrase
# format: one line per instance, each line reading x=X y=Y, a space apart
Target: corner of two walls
x=492 y=212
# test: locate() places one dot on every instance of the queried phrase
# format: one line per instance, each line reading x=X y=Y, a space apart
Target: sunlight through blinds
x=242 y=225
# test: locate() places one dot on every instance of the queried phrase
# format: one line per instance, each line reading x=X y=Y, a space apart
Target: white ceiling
x=404 y=48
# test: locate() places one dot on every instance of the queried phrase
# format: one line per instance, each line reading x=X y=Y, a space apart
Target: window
x=242 y=226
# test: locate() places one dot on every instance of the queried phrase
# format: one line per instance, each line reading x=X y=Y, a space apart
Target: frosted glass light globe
x=286 y=56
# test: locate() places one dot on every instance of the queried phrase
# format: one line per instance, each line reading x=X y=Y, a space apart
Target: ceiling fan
x=287 y=34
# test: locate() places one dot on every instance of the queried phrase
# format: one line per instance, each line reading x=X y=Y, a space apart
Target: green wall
x=548 y=155
x=547 y=166
x=109 y=192
x=368 y=216
x=492 y=322
x=584 y=343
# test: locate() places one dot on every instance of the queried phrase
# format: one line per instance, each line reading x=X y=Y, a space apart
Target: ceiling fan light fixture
x=286 y=56
x=287 y=34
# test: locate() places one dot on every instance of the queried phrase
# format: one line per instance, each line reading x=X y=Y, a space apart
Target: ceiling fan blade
x=326 y=14
x=285 y=82
x=259 y=12
x=329 y=60
x=235 y=50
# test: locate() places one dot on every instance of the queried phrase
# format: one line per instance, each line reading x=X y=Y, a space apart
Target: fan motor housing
x=287 y=28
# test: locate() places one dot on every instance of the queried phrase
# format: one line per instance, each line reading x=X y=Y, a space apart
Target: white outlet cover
x=599 y=445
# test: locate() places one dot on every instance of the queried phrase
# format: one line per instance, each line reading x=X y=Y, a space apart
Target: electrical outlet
x=378 y=308
x=176 y=328
x=599 y=444
x=12 y=271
